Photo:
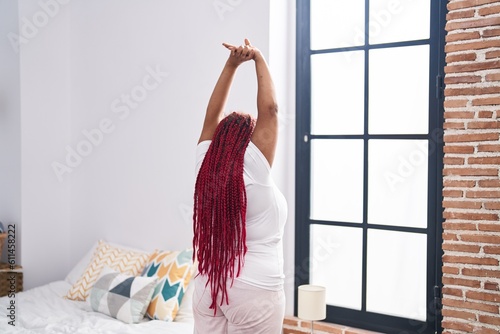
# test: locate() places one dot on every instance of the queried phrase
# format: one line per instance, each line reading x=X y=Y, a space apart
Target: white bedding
x=44 y=310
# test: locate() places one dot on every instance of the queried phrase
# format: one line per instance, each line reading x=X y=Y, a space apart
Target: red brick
x=473 y=67
x=488 y=101
x=491 y=32
x=484 y=160
x=470 y=215
x=489 y=10
x=294 y=331
x=491 y=286
x=463 y=14
x=450 y=236
x=484 y=261
x=453 y=161
x=451 y=270
x=472 y=90
x=486 y=296
x=483 y=44
x=462 y=204
x=452 y=291
x=470 y=171
x=457 y=226
x=489 y=319
x=492 y=54
x=484 y=330
x=467 y=3
x=489 y=227
x=471 y=137
x=459 y=183
x=491 y=249
x=470 y=305
x=483 y=22
x=464 y=248
x=452 y=193
x=455 y=103
x=480 y=272
x=489 y=183
x=480 y=238
x=484 y=114
x=291 y=321
x=462 y=36
x=492 y=205
x=458 y=114
x=484 y=125
x=449 y=80
x=483 y=194
x=492 y=77
x=488 y=148
x=458 y=149
x=454 y=125
x=458 y=315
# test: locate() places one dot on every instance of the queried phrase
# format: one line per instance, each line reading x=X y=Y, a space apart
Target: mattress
x=44 y=310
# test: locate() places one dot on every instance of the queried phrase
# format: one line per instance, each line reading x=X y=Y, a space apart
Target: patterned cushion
x=119 y=259
x=173 y=270
x=123 y=297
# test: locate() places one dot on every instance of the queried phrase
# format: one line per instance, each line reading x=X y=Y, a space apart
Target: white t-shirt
x=265 y=220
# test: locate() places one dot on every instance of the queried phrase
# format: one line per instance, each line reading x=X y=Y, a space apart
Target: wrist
x=258 y=56
x=231 y=64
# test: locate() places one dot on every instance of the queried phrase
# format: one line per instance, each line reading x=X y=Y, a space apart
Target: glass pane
x=336 y=263
x=337 y=93
x=396 y=21
x=337 y=23
x=399 y=104
x=337 y=180
x=397 y=182
x=396 y=274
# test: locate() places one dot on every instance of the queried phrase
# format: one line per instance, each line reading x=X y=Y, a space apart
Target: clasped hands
x=242 y=53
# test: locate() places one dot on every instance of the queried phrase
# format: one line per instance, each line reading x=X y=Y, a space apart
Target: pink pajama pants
x=251 y=310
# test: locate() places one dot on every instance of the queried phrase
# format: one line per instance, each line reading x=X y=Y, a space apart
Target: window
x=369 y=159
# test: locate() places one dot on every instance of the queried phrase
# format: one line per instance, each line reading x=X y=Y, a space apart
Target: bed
x=47 y=309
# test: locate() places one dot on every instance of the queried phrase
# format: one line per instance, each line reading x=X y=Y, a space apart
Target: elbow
x=272 y=109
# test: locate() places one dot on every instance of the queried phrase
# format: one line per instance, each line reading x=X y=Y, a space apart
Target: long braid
x=220 y=204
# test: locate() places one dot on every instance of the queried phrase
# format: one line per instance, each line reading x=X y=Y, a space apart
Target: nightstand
x=11 y=280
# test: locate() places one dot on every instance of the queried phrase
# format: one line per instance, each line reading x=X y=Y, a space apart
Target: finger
x=245 y=51
x=239 y=51
x=247 y=42
x=229 y=46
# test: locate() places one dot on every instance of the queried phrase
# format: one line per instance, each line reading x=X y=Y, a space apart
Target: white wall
x=282 y=65
x=45 y=105
x=136 y=187
x=10 y=124
x=132 y=176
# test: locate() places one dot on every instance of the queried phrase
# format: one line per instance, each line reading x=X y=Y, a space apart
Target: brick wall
x=471 y=230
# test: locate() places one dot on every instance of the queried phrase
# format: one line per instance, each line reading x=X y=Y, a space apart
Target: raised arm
x=265 y=135
x=218 y=99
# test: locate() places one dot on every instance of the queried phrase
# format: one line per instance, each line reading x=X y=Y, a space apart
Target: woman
x=239 y=213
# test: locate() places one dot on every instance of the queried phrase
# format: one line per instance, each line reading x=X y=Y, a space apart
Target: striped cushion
x=119 y=259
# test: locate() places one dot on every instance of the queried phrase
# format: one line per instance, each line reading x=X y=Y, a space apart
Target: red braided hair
x=220 y=204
